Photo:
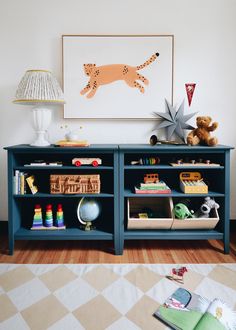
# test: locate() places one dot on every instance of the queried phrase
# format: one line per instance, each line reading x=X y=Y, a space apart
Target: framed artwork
x=117 y=77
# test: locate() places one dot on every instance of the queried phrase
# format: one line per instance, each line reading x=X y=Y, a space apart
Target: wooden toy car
x=86 y=161
x=151 y=178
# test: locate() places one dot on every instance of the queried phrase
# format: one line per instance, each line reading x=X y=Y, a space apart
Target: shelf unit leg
x=227 y=203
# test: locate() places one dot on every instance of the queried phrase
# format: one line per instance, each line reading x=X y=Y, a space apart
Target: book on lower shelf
x=185 y=310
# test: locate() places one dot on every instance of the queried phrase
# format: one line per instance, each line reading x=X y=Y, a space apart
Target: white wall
x=205 y=53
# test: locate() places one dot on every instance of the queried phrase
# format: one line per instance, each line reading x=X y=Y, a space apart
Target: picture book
x=185 y=310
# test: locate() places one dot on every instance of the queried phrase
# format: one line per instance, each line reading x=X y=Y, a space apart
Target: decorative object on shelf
x=71 y=136
x=181 y=210
x=59 y=222
x=38 y=218
x=49 y=216
x=107 y=90
x=192 y=183
x=66 y=143
x=39 y=88
x=193 y=162
x=174 y=121
x=75 y=184
x=190 y=88
x=154 y=140
x=206 y=207
x=201 y=134
x=151 y=178
x=152 y=185
x=177 y=274
x=86 y=161
x=88 y=210
x=32 y=185
x=146 y=161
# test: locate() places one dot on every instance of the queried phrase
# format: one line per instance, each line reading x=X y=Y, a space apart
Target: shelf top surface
x=53 y=148
x=169 y=147
x=127 y=147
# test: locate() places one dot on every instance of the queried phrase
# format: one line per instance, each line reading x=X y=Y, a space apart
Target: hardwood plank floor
x=177 y=252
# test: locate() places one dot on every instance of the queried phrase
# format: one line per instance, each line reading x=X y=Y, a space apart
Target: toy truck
x=86 y=161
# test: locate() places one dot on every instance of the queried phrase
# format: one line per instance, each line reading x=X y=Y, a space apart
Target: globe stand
x=88 y=226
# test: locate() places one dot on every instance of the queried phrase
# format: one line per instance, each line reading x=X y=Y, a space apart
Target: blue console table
x=118 y=178
x=217 y=176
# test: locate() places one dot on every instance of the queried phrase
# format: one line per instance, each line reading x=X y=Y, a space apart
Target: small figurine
x=181 y=211
x=59 y=217
x=206 y=207
x=177 y=274
x=49 y=217
x=38 y=219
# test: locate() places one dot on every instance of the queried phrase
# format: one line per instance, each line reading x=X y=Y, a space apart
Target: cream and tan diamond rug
x=96 y=297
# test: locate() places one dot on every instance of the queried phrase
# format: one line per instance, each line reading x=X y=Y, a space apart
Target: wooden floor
x=177 y=252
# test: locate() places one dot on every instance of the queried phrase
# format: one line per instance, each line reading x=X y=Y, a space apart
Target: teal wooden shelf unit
x=118 y=178
x=21 y=206
x=218 y=178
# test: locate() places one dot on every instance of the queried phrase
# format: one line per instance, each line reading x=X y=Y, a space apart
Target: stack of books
x=159 y=187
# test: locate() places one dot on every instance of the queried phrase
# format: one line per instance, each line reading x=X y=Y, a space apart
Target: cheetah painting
x=106 y=74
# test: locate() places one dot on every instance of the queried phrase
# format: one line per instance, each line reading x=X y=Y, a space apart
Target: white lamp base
x=40 y=140
x=41 y=121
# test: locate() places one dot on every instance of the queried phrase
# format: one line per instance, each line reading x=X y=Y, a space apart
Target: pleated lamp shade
x=39 y=86
x=41 y=89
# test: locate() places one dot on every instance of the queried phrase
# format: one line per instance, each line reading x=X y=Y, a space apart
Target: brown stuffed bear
x=201 y=134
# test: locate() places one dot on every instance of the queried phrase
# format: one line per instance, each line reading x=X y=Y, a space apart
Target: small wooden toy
x=38 y=219
x=192 y=183
x=151 y=178
x=59 y=217
x=177 y=274
x=194 y=163
x=86 y=161
x=49 y=217
x=146 y=161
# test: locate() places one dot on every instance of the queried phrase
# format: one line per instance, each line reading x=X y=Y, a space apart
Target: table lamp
x=39 y=88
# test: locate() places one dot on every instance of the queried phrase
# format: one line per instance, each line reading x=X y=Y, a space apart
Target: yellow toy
x=201 y=134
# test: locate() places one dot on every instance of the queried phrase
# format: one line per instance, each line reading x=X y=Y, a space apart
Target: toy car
x=151 y=178
x=86 y=161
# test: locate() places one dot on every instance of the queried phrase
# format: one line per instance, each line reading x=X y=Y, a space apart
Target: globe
x=88 y=210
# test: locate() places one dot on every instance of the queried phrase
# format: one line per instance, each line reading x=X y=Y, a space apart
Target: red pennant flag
x=190 y=90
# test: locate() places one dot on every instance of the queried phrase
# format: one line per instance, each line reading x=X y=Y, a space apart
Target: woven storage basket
x=75 y=184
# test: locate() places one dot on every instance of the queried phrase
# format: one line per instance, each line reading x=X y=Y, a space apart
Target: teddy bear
x=201 y=134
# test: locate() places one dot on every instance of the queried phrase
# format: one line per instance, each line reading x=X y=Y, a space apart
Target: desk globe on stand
x=88 y=210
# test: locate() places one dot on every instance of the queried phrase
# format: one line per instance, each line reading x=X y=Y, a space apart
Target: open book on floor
x=188 y=311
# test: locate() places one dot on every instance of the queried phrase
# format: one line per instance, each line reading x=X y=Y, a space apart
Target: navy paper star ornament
x=174 y=121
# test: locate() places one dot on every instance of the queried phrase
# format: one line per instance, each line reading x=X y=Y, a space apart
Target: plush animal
x=206 y=207
x=106 y=74
x=201 y=134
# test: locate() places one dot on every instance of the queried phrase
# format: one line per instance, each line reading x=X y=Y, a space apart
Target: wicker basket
x=75 y=184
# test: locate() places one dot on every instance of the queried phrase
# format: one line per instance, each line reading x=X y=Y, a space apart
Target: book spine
x=17 y=174
x=163 y=191
x=22 y=183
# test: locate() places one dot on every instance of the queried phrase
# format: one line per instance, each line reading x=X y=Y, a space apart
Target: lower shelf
x=173 y=235
x=67 y=234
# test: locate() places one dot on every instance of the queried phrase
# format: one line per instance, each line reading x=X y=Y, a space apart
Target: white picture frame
x=114 y=98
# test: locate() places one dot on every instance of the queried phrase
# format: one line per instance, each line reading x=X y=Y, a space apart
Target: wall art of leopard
x=106 y=74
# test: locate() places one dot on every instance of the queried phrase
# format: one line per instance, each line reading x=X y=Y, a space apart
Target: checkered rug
x=94 y=297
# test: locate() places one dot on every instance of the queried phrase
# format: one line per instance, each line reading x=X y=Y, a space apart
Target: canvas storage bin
x=75 y=184
x=197 y=223
x=160 y=206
